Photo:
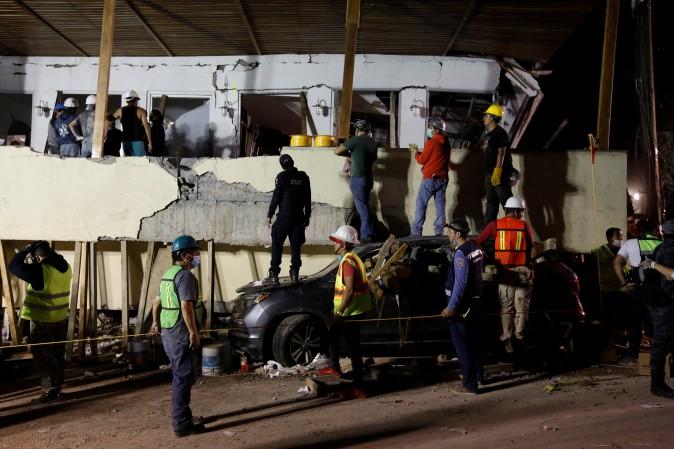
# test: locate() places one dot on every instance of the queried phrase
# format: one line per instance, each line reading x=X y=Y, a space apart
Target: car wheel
x=298 y=339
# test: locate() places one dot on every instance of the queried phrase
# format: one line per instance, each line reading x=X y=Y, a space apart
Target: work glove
x=496 y=176
x=647 y=264
x=79 y=138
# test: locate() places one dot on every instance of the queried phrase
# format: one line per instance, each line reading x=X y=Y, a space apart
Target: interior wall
x=16 y=115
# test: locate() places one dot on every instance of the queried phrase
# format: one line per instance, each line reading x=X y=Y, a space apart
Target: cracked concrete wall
x=223 y=79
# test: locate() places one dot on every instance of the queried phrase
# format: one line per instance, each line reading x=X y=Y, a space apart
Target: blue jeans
x=463 y=338
x=70 y=150
x=663 y=341
x=134 y=148
x=437 y=189
x=361 y=187
x=184 y=368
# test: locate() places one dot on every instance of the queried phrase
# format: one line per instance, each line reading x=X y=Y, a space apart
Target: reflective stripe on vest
x=170 y=302
x=360 y=301
x=510 y=244
x=50 y=304
x=647 y=245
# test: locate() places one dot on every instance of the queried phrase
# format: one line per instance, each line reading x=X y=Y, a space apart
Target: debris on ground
x=275 y=369
x=648 y=406
x=550 y=388
x=550 y=428
x=303 y=391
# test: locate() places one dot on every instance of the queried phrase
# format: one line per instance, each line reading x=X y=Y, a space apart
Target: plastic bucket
x=216 y=358
x=324 y=141
x=299 y=140
x=140 y=354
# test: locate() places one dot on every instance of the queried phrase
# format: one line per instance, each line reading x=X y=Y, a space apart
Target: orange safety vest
x=510 y=244
x=360 y=301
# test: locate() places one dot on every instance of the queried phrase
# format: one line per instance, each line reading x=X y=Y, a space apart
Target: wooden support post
x=125 y=291
x=74 y=289
x=104 y=58
x=607 y=69
x=82 y=298
x=307 y=114
x=209 y=284
x=253 y=265
x=145 y=286
x=352 y=19
x=8 y=297
x=93 y=297
x=393 y=121
x=304 y=114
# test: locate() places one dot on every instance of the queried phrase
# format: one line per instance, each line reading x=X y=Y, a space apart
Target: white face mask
x=617 y=243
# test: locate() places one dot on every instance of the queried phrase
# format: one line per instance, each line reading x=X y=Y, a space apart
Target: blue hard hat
x=59 y=107
x=184 y=242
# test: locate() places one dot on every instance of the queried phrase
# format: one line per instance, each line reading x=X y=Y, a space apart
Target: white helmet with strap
x=514 y=203
x=70 y=103
x=130 y=95
x=345 y=234
x=91 y=99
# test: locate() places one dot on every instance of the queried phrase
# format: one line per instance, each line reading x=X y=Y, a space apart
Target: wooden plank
x=44 y=21
x=93 y=297
x=104 y=58
x=607 y=69
x=82 y=298
x=125 y=290
x=74 y=289
x=393 y=121
x=383 y=252
x=209 y=285
x=8 y=296
x=394 y=258
x=145 y=286
x=307 y=114
x=467 y=15
x=163 y=100
x=249 y=27
x=148 y=28
x=253 y=265
x=352 y=19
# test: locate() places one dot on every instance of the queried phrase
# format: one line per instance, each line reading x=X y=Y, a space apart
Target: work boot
x=191 y=429
x=294 y=276
x=272 y=279
x=48 y=396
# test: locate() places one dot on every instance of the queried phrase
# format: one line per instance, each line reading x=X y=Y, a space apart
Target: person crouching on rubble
x=179 y=319
x=351 y=300
x=464 y=291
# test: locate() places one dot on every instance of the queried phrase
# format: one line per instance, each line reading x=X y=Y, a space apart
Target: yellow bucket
x=324 y=141
x=299 y=140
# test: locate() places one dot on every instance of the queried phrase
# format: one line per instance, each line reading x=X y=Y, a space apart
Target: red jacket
x=435 y=157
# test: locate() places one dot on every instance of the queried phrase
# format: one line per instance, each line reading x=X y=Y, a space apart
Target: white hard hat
x=131 y=95
x=345 y=234
x=514 y=203
x=91 y=99
x=70 y=103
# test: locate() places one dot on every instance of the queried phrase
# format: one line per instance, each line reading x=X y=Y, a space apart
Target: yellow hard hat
x=495 y=110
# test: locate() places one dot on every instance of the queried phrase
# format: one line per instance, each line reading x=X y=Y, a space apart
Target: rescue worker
x=362 y=150
x=463 y=288
x=52 y=134
x=292 y=197
x=46 y=306
x=435 y=161
x=135 y=128
x=513 y=242
x=628 y=259
x=69 y=146
x=498 y=162
x=85 y=123
x=178 y=313
x=661 y=308
x=351 y=300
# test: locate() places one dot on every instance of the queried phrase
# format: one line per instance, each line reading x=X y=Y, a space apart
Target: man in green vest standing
x=352 y=299
x=179 y=320
x=46 y=307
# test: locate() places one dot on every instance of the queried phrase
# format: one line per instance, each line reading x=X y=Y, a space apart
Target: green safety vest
x=360 y=301
x=647 y=245
x=170 y=302
x=50 y=304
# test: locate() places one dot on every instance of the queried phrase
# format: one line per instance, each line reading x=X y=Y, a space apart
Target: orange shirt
x=435 y=157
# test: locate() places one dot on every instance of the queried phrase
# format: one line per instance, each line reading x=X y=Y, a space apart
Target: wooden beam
x=209 y=285
x=125 y=290
x=352 y=20
x=393 y=121
x=307 y=113
x=82 y=297
x=249 y=28
x=145 y=286
x=8 y=297
x=93 y=298
x=606 y=77
x=163 y=100
x=44 y=21
x=104 y=58
x=148 y=28
x=74 y=289
x=467 y=15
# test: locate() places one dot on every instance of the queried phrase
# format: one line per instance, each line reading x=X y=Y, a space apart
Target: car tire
x=297 y=340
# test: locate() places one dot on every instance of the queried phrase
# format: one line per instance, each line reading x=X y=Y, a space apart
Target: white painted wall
x=224 y=78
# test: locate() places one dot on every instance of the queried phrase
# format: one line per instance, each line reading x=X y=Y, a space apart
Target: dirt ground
x=592 y=408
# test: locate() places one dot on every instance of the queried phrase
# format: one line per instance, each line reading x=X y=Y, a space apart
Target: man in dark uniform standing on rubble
x=292 y=197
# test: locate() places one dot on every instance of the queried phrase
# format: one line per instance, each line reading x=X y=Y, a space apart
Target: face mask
x=429 y=133
x=196 y=260
x=617 y=243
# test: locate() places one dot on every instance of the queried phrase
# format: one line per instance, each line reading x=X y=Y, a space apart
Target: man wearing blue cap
x=292 y=197
x=181 y=315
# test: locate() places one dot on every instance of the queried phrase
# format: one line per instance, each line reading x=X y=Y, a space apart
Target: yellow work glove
x=496 y=176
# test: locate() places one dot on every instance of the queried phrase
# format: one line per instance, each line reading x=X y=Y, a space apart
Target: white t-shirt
x=630 y=251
